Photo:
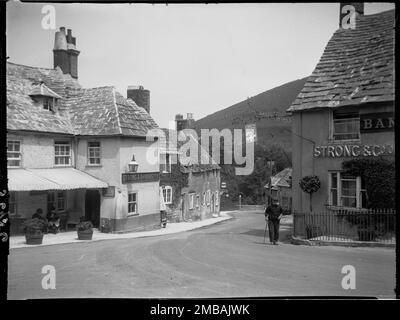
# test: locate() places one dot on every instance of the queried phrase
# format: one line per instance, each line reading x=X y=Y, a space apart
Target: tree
x=310 y=184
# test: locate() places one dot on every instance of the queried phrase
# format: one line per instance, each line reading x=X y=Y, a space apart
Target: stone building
x=81 y=150
x=281 y=189
x=345 y=111
x=190 y=191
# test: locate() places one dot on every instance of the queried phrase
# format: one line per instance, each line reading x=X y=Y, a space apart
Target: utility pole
x=270 y=163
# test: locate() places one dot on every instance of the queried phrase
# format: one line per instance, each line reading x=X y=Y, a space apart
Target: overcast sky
x=193 y=58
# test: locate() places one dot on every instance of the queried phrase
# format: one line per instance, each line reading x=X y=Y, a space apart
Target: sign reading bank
x=353 y=150
x=374 y=122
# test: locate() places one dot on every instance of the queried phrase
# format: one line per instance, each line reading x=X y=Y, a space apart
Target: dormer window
x=45 y=96
x=49 y=103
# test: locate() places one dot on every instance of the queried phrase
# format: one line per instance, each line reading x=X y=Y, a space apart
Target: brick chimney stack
x=182 y=123
x=140 y=95
x=65 y=53
x=358 y=7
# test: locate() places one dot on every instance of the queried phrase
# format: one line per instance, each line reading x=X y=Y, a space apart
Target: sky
x=194 y=58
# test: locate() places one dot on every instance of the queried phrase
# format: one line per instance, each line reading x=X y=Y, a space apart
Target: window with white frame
x=13 y=153
x=204 y=198
x=56 y=200
x=62 y=152
x=216 y=198
x=197 y=201
x=346 y=190
x=167 y=194
x=132 y=203
x=208 y=197
x=49 y=103
x=94 y=153
x=346 y=126
x=12 y=204
x=165 y=163
x=191 y=201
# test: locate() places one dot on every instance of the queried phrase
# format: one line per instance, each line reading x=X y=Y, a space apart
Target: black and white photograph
x=198 y=151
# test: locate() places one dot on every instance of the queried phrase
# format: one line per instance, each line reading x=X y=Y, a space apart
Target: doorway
x=92 y=207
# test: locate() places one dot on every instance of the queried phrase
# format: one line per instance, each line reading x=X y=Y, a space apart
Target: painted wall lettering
x=373 y=122
x=342 y=151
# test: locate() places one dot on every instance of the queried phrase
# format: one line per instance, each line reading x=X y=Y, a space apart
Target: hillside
x=267 y=110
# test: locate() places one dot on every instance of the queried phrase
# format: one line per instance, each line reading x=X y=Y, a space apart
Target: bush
x=34 y=226
x=84 y=226
x=380 y=180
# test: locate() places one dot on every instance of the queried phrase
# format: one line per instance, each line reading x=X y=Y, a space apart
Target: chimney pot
x=63 y=57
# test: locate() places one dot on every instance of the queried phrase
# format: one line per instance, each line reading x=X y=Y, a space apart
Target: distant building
x=281 y=188
x=190 y=191
x=81 y=150
x=345 y=111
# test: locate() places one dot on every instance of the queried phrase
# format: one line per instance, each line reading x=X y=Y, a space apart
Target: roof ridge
x=116 y=110
x=24 y=65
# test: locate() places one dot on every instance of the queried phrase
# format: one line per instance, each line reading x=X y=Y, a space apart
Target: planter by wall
x=34 y=238
x=85 y=235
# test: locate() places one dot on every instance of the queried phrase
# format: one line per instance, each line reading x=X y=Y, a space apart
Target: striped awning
x=51 y=179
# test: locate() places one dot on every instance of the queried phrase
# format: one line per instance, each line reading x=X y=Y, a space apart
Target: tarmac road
x=228 y=259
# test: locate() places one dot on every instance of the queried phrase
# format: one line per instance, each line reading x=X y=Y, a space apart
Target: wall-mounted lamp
x=133 y=165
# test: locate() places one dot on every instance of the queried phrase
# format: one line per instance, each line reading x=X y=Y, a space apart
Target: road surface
x=228 y=259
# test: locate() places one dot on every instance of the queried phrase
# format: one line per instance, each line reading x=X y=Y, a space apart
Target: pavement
x=221 y=260
x=72 y=237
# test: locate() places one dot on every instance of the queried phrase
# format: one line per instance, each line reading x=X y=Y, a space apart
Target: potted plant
x=85 y=230
x=311 y=184
x=34 y=230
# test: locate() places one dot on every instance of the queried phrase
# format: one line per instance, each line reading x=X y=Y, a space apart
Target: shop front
x=72 y=193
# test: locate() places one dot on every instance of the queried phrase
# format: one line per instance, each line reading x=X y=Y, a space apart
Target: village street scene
x=197 y=151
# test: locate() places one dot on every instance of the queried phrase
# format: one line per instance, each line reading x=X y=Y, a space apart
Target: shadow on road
x=285 y=232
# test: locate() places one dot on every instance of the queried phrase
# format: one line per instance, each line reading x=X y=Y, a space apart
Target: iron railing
x=346 y=225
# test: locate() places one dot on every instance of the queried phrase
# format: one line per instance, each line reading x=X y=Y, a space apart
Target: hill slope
x=267 y=110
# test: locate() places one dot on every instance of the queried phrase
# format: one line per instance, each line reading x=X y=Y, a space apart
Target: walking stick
x=265 y=231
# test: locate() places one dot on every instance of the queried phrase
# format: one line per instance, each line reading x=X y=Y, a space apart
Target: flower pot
x=34 y=238
x=85 y=235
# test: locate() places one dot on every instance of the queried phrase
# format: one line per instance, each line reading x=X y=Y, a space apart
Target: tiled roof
x=92 y=111
x=281 y=179
x=23 y=113
x=195 y=165
x=134 y=120
x=356 y=67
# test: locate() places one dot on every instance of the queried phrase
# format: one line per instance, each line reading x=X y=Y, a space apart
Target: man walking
x=274 y=214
